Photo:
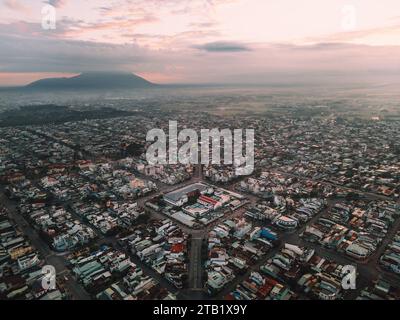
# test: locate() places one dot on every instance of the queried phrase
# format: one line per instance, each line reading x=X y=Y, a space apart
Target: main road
x=51 y=258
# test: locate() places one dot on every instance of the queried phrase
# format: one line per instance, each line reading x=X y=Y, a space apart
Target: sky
x=201 y=41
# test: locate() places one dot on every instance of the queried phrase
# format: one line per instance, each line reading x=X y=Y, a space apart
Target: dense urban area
x=78 y=194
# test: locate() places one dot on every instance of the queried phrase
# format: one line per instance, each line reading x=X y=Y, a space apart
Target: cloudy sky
x=200 y=41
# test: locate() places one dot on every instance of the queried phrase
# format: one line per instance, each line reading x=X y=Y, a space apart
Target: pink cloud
x=58 y=3
x=15 y=5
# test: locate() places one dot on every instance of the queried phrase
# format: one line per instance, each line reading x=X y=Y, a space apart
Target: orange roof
x=208 y=199
x=177 y=248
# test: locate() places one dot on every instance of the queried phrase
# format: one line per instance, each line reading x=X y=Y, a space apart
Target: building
x=179 y=197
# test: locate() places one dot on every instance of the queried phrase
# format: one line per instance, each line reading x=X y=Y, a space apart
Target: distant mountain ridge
x=93 y=80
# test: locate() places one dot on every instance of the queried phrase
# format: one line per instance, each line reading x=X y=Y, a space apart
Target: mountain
x=92 y=81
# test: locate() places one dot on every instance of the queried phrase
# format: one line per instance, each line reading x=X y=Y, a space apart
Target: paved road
x=365 y=193
x=112 y=241
x=52 y=258
x=368 y=271
x=195 y=264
